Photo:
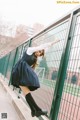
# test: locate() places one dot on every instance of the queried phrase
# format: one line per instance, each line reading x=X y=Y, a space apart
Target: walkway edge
x=20 y=107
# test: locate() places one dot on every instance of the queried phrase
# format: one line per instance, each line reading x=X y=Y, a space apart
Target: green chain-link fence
x=59 y=71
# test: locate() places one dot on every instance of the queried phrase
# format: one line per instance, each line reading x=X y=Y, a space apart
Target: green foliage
x=43 y=64
x=74 y=79
x=54 y=75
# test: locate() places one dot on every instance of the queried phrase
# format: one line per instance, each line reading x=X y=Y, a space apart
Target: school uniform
x=22 y=73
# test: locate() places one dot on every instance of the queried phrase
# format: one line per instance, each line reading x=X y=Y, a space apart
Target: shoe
x=32 y=114
x=39 y=113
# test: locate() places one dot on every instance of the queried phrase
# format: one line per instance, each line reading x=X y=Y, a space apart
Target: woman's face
x=39 y=53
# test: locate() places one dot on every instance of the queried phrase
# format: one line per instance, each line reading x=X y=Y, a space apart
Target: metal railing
x=60 y=82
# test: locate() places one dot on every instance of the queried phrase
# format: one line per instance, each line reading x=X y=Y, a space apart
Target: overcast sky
x=30 y=11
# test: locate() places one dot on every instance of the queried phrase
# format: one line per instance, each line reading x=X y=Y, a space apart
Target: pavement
x=7 y=111
x=11 y=107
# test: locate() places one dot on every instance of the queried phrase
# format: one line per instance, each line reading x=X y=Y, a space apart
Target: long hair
x=43 y=52
x=35 y=64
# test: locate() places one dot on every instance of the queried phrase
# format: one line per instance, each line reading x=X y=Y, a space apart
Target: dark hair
x=35 y=64
x=42 y=53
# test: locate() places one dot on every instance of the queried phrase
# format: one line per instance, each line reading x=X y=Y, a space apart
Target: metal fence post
x=5 y=69
x=61 y=75
x=13 y=64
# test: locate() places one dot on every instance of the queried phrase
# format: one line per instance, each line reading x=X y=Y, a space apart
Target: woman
x=24 y=77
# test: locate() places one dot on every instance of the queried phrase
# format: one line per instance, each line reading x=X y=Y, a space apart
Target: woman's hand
x=34 y=65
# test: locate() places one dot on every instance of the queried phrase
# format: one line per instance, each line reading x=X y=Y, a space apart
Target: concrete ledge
x=21 y=108
x=19 y=105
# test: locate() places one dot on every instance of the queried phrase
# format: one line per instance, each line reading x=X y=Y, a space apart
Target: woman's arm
x=31 y=50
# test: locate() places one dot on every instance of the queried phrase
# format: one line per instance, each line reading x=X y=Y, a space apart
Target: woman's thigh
x=25 y=89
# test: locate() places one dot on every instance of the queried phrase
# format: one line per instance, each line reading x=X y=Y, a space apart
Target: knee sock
x=31 y=102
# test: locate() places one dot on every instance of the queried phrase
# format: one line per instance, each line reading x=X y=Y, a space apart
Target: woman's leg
x=25 y=90
x=26 y=93
x=35 y=109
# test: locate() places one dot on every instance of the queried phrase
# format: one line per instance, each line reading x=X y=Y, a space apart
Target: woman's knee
x=25 y=89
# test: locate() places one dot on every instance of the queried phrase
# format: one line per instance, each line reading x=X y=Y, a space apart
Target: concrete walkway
x=7 y=111
x=10 y=105
x=12 y=108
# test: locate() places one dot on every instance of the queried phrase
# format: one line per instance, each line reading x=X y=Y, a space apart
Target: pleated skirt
x=23 y=75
